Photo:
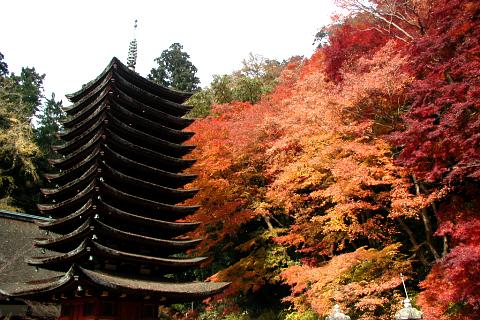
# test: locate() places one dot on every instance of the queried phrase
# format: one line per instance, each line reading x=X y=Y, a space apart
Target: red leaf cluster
x=442 y=136
x=386 y=153
x=348 y=41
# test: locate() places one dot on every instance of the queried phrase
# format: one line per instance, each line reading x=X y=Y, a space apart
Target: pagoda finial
x=132 y=49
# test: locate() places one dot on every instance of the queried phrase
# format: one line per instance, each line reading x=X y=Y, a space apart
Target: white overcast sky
x=73 y=41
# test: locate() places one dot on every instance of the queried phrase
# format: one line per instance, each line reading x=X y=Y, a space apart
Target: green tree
x=321 y=37
x=268 y=70
x=3 y=66
x=18 y=152
x=49 y=124
x=26 y=91
x=202 y=103
x=221 y=87
x=258 y=76
x=175 y=69
x=20 y=97
x=248 y=89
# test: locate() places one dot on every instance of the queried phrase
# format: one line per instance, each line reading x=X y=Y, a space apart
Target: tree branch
x=268 y=222
x=426 y=223
x=416 y=246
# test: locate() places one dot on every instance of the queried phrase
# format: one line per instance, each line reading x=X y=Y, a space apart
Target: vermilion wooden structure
x=115 y=243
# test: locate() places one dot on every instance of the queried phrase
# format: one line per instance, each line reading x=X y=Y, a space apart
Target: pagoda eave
x=150 y=157
x=98 y=115
x=123 y=119
x=80 y=182
x=172 y=263
x=81 y=277
x=77 y=142
x=149 y=141
x=166 y=245
x=127 y=183
x=167 y=211
x=149 y=112
x=147 y=172
x=167 y=228
x=61 y=262
x=97 y=94
x=171 y=94
x=76 y=170
x=74 y=218
x=159 y=193
x=92 y=85
x=63 y=242
x=174 y=95
x=85 y=111
x=62 y=206
x=68 y=242
x=137 y=93
x=79 y=155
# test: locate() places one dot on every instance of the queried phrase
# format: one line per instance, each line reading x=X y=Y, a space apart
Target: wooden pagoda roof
x=18 y=231
x=89 y=247
x=167 y=228
x=133 y=77
x=118 y=195
x=77 y=276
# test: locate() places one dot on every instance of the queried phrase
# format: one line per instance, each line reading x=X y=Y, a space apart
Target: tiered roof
x=116 y=196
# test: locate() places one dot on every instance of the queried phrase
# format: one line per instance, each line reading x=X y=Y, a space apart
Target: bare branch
x=391 y=11
x=416 y=247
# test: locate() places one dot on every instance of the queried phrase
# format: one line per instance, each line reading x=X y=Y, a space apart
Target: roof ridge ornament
x=132 y=49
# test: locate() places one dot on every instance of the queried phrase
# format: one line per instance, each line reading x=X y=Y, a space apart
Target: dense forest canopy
x=361 y=164
x=321 y=179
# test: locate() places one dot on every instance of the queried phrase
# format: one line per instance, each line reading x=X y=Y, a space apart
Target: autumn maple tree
x=361 y=164
x=308 y=164
x=441 y=147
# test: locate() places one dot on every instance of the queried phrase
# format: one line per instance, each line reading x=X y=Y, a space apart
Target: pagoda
x=115 y=241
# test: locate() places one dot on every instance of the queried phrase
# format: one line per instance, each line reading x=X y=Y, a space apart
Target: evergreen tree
x=25 y=90
x=3 y=67
x=175 y=70
x=49 y=124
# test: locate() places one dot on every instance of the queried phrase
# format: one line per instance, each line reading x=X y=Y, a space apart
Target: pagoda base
x=96 y=309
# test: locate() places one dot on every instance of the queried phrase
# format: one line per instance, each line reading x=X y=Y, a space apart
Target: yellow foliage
x=17 y=150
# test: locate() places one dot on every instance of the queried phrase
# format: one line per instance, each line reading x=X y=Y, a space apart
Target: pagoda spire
x=132 y=50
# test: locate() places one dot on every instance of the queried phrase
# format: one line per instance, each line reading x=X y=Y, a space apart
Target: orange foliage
x=230 y=162
x=315 y=159
x=331 y=168
x=313 y=151
x=362 y=281
x=262 y=264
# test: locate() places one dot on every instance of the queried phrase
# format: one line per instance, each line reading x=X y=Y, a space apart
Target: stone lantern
x=408 y=312
x=337 y=314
